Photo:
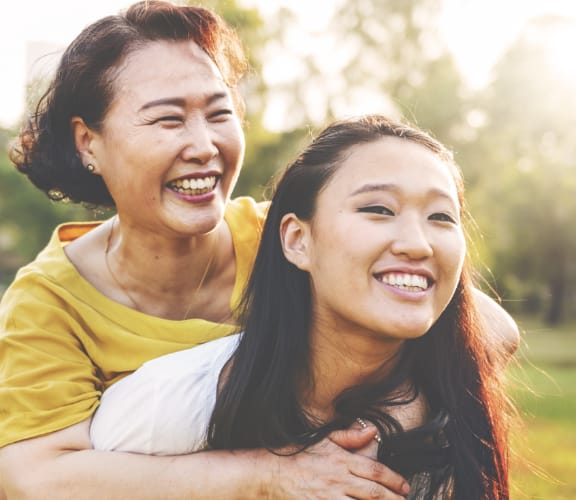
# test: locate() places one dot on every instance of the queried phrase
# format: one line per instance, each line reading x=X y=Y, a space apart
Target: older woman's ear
x=84 y=139
x=296 y=242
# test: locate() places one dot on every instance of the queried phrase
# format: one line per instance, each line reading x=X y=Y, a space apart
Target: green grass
x=544 y=465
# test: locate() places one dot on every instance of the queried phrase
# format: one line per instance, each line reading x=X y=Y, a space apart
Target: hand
x=357 y=440
x=328 y=471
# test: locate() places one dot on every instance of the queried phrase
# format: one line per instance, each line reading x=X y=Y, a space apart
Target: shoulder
x=195 y=360
x=52 y=258
x=498 y=324
x=245 y=218
x=50 y=277
x=164 y=407
x=245 y=213
x=71 y=231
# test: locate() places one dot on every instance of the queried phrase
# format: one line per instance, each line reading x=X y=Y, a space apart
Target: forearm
x=94 y=474
x=62 y=465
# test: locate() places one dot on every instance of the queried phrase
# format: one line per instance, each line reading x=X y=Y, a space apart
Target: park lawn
x=544 y=444
x=545 y=468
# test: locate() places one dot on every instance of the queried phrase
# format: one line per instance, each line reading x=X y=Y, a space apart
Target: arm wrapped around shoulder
x=499 y=326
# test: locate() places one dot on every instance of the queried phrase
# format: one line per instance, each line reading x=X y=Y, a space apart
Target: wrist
x=266 y=466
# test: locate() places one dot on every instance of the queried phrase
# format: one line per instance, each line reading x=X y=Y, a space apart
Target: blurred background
x=493 y=80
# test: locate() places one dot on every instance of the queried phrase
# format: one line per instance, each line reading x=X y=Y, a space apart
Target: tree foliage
x=525 y=158
x=27 y=217
x=512 y=139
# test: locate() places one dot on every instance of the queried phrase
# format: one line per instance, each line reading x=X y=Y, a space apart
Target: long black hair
x=259 y=404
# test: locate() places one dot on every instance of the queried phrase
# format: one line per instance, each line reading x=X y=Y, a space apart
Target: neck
x=343 y=360
x=160 y=276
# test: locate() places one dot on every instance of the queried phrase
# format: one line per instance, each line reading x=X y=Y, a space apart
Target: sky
x=476 y=31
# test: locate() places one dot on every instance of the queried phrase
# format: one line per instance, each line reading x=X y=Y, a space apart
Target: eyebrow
x=371 y=188
x=180 y=101
x=383 y=187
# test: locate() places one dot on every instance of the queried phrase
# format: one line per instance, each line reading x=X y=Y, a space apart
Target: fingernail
x=405 y=489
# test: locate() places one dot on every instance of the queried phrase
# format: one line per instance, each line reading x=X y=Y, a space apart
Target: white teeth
x=414 y=282
x=193 y=186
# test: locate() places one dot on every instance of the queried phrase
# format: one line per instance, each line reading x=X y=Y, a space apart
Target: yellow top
x=62 y=342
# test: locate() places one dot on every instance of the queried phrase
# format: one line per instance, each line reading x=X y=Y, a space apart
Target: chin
x=407 y=333
x=200 y=223
x=414 y=335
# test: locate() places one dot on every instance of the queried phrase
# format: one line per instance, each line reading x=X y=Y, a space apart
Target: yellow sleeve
x=62 y=342
x=245 y=217
x=47 y=381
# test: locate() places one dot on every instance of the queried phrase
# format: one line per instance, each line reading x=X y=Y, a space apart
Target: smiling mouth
x=194 y=186
x=405 y=281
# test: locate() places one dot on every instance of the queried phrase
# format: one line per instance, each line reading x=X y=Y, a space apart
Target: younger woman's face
x=171 y=145
x=385 y=247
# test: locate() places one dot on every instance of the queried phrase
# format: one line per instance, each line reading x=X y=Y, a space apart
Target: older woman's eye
x=170 y=118
x=376 y=209
x=221 y=114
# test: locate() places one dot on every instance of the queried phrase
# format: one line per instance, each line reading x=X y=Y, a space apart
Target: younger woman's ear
x=295 y=238
x=84 y=140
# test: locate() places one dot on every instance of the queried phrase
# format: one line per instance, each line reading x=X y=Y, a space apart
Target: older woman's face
x=171 y=146
x=385 y=246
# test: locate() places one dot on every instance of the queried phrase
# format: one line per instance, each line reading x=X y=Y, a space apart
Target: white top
x=164 y=407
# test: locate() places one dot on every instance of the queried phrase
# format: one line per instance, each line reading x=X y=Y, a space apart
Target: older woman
x=143 y=115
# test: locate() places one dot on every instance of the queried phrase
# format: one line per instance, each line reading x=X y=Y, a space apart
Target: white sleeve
x=125 y=417
x=165 y=406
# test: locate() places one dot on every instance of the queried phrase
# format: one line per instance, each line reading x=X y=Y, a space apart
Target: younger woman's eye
x=376 y=209
x=443 y=217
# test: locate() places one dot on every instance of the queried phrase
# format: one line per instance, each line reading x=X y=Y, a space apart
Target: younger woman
x=359 y=309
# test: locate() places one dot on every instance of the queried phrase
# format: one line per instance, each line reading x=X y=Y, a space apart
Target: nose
x=199 y=143
x=411 y=238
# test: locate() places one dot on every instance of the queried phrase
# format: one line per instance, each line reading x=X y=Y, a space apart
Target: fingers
x=353 y=438
x=382 y=478
x=365 y=490
x=327 y=471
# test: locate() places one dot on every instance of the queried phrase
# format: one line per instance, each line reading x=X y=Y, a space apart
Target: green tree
x=375 y=55
x=27 y=216
x=266 y=150
x=524 y=161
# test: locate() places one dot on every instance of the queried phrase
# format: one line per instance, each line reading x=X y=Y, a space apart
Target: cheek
x=339 y=264
x=320 y=250
x=454 y=257
x=338 y=245
x=233 y=141
x=333 y=241
x=461 y=249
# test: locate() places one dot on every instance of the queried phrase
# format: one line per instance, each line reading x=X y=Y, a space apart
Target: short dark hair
x=259 y=405
x=83 y=86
